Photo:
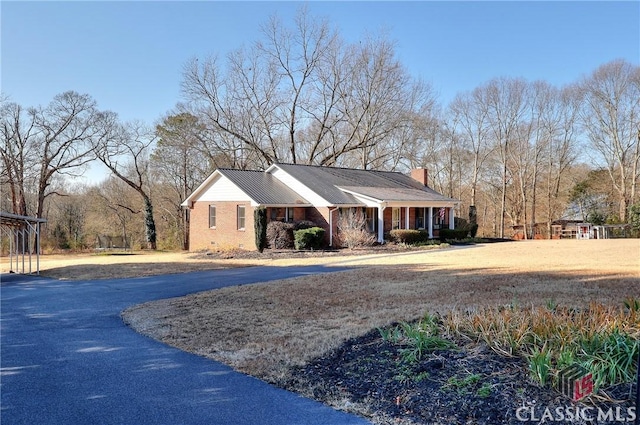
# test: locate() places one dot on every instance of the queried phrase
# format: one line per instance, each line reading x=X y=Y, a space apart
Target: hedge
x=409 y=236
x=454 y=234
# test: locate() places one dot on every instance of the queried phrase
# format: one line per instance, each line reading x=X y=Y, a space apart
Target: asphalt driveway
x=66 y=357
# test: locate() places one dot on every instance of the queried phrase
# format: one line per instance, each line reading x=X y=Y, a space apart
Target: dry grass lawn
x=119 y=264
x=265 y=329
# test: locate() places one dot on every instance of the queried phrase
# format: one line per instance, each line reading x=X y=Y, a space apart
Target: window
x=420 y=222
x=212 y=216
x=395 y=218
x=240 y=217
x=282 y=214
x=371 y=216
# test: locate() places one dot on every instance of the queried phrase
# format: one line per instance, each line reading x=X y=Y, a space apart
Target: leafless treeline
x=514 y=151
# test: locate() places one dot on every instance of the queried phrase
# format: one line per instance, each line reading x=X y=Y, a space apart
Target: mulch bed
x=468 y=385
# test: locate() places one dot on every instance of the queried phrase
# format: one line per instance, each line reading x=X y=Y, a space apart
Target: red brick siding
x=226 y=234
x=299 y=214
x=320 y=216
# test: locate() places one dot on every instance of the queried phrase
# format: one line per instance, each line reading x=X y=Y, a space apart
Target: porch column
x=381 y=224
x=430 y=222
x=406 y=218
x=451 y=218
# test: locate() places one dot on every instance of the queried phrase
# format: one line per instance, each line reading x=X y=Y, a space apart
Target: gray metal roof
x=10 y=219
x=263 y=188
x=391 y=194
x=383 y=185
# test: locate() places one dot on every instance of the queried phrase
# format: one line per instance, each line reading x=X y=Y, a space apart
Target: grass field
x=265 y=329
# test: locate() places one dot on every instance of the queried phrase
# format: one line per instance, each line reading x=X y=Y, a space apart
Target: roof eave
x=285 y=205
x=188 y=203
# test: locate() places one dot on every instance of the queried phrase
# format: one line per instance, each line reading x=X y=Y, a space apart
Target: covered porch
x=388 y=209
x=384 y=218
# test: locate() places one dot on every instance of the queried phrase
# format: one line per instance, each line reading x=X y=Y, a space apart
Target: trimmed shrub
x=280 y=235
x=408 y=236
x=453 y=234
x=260 y=227
x=311 y=238
x=303 y=224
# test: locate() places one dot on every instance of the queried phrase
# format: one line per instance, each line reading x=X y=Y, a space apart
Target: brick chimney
x=420 y=175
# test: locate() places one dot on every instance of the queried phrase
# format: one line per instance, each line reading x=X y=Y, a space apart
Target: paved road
x=67 y=358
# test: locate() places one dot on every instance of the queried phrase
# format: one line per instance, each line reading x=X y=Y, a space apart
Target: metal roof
x=263 y=188
x=392 y=194
x=383 y=185
x=10 y=219
x=338 y=186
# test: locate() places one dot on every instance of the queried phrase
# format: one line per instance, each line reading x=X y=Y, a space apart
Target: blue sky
x=129 y=55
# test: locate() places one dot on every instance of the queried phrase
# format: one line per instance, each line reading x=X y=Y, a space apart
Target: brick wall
x=226 y=234
x=320 y=216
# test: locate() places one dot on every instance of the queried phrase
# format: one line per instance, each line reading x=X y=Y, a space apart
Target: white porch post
x=451 y=218
x=430 y=222
x=406 y=218
x=381 y=224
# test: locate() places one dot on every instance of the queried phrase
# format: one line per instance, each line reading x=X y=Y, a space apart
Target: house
x=222 y=206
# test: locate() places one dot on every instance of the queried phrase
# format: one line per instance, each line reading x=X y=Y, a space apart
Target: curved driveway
x=66 y=357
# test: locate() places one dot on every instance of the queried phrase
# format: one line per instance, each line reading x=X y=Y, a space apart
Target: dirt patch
x=273 y=331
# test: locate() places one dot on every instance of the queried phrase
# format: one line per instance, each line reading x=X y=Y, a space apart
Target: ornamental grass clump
x=601 y=338
x=417 y=338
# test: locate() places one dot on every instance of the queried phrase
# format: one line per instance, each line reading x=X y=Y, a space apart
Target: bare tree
x=559 y=122
x=125 y=151
x=262 y=99
x=506 y=100
x=611 y=119
x=18 y=160
x=112 y=209
x=301 y=95
x=469 y=115
x=44 y=142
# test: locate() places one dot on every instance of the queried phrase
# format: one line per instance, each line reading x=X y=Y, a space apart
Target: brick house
x=222 y=206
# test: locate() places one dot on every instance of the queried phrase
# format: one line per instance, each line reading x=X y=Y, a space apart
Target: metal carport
x=23 y=233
